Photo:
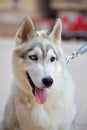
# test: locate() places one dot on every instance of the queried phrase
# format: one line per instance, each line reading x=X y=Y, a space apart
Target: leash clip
x=75 y=54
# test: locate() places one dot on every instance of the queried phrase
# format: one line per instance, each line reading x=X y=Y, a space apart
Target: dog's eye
x=33 y=57
x=52 y=59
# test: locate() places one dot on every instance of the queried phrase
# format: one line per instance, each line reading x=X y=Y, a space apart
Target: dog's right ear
x=26 y=31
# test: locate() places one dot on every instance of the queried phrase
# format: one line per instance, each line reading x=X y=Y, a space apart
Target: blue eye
x=33 y=57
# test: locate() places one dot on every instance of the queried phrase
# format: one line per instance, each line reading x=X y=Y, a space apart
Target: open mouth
x=39 y=93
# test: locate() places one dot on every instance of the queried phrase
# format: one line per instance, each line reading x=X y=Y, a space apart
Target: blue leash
x=82 y=49
x=79 y=51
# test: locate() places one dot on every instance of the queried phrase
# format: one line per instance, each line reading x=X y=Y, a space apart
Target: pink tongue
x=41 y=95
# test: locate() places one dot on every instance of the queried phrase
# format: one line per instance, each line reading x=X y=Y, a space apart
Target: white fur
x=22 y=111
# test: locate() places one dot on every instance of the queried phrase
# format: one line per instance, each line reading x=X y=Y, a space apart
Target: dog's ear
x=26 y=31
x=55 y=31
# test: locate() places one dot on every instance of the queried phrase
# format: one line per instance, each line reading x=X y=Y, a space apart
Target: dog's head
x=38 y=58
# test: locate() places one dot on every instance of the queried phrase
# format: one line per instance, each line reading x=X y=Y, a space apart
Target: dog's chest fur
x=51 y=115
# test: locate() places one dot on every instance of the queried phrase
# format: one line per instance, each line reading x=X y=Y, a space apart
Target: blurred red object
x=74 y=25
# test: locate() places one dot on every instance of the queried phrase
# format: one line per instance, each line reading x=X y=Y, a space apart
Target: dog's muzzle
x=40 y=93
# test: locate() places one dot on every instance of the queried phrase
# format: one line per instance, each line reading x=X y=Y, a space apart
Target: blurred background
x=74 y=18
x=72 y=12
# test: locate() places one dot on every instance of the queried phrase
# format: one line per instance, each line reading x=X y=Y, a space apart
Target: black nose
x=48 y=81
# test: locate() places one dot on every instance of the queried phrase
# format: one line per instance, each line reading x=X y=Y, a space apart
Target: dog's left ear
x=55 y=31
x=26 y=31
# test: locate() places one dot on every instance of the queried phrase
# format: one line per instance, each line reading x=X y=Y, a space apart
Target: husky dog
x=42 y=95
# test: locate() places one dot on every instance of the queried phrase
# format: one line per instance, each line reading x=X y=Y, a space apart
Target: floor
x=77 y=67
